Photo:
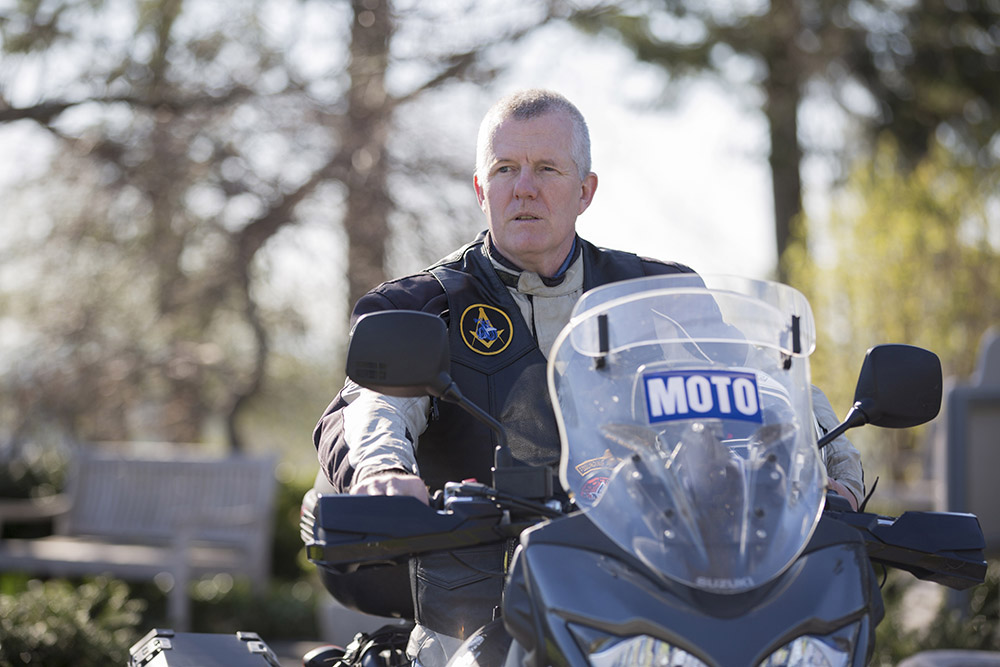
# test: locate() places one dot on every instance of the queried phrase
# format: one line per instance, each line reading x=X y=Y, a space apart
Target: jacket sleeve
x=363 y=432
x=842 y=459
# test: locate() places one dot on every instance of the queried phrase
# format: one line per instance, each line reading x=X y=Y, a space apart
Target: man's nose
x=525 y=186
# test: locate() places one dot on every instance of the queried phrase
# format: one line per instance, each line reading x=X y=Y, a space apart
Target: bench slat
x=135 y=518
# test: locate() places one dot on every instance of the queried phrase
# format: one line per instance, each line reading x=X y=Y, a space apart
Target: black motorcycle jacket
x=496 y=361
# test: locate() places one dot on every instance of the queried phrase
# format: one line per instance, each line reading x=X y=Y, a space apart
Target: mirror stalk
x=856 y=416
x=453 y=394
x=899 y=387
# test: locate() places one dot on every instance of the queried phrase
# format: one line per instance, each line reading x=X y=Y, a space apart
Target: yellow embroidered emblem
x=486 y=329
x=607 y=461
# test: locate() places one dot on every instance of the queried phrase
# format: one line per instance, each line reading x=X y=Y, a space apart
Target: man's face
x=532 y=191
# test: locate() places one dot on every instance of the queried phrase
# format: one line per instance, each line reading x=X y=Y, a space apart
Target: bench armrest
x=26 y=510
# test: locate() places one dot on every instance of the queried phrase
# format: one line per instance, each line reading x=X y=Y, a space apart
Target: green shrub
x=975 y=625
x=94 y=622
x=288 y=562
x=969 y=620
x=31 y=471
x=56 y=624
x=286 y=611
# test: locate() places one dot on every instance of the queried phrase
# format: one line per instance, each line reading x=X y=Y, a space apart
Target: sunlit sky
x=687 y=181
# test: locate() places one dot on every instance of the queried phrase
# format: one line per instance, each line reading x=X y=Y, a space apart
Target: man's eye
x=504 y=170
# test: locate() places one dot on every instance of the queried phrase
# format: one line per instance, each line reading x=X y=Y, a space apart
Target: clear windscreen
x=684 y=410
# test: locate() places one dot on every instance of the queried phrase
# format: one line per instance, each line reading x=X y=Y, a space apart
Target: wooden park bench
x=141 y=518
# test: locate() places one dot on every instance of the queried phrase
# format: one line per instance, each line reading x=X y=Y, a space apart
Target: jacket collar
x=511 y=275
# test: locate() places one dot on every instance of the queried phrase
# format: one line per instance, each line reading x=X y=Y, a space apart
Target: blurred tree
x=915 y=259
x=913 y=69
x=185 y=137
x=931 y=67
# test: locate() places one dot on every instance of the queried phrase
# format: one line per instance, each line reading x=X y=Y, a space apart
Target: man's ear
x=480 y=193
x=587 y=190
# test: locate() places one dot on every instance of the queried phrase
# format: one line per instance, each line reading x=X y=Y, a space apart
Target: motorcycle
x=698 y=529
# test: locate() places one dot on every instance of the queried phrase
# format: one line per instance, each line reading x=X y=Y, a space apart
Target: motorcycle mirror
x=405 y=353
x=899 y=386
x=401 y=353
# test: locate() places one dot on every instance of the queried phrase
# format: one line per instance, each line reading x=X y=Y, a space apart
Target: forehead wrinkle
x=535 y=143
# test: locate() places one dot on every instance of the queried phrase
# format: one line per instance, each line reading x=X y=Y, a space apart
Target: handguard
x=943 y=547
x=352 y=531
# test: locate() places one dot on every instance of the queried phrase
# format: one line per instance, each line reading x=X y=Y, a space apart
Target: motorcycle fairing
x=699 y=390
x=578 y=576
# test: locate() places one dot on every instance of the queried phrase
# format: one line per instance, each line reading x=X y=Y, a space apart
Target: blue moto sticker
x=676 y=395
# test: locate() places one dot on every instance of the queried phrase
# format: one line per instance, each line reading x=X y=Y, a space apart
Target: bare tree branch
x=457 y=66
x=45 y=112
x=253 y=237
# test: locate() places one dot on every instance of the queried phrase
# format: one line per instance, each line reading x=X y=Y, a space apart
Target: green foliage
x=63 y=622
x=915 y=258
x=923 y=243
x=969 y=620
x=288 y=551
x=94 y=622
x=977 y=627
x=286 y=611
x=56 y=624
x=31 y=472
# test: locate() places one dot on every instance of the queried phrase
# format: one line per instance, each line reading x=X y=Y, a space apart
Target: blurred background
x=192 y=195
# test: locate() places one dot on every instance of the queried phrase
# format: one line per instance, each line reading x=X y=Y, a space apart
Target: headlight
x=604 y=650
x=811 y=651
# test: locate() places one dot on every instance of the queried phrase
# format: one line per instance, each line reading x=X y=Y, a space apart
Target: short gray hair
x=528 y=104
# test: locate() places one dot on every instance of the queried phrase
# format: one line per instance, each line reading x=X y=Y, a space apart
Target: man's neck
x=556 y=276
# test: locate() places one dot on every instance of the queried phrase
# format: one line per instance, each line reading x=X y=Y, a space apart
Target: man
x=505 y=297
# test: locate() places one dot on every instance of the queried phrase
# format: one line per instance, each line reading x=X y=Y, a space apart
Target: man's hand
x=842 y=490
x=392 y=483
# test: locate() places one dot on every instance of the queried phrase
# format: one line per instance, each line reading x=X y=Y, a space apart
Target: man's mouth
x=526 y=216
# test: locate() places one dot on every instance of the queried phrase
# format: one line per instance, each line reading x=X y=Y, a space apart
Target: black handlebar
x=351 y=531
x=943 y=547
